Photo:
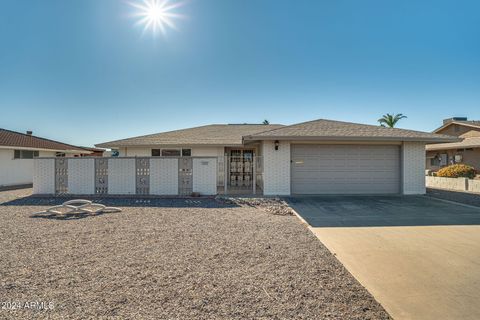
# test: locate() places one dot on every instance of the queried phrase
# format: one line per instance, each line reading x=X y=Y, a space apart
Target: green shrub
x=457 y=171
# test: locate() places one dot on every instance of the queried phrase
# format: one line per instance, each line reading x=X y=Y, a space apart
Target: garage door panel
x=350 y=188
x=340 y=175
x=345 y=169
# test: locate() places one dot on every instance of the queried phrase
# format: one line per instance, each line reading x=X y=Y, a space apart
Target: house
x=94 y=152
x=466 y=151
x=315 y=157
x=17 y=151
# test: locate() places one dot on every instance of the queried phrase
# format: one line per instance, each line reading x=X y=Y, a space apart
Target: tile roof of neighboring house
x=209 y=135
x=336 y=130
x=471 y=139
x=469 y=123
x=16 y=139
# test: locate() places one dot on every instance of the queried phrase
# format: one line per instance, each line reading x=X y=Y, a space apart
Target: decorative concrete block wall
x=205 y=176
x=163 y=176
x=413 y=168
x=121 y=176
x=124 y=176
x=81 y=176
x=459 y=184
x=44 y=176
x=474 y=186
x=276 y=168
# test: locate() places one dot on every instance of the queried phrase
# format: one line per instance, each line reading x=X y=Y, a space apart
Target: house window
x=155 y=152
x=434 y=161
x=60 y=154
x=170 y=152
x=186 y=152
x=25 y=154
x=444 y=159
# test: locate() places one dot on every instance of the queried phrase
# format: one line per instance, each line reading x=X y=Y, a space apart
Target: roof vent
x=455 y=119
x=29 y=133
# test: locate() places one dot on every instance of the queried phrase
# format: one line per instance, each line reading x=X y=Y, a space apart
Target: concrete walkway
x=419 y=257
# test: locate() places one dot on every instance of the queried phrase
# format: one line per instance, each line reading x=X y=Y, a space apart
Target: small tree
x=266 y=121
x=390 y=120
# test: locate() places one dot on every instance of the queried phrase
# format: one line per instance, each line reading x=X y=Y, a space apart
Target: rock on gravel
x=173 y=259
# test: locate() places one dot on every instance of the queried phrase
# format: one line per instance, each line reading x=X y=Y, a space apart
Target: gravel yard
x=172 y=259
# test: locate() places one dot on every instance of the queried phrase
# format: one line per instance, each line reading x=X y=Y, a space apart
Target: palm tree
x=266 y=121
x=390 y=120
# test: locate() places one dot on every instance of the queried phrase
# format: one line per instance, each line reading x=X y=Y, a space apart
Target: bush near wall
x=457 y=171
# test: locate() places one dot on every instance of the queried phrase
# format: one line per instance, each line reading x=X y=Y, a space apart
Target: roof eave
x=171 y=145
x=45 y=149
x=449 y=146
x=438 y=148
x=348 y=138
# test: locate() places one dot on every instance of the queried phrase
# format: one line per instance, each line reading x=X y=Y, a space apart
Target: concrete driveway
x=418 y=256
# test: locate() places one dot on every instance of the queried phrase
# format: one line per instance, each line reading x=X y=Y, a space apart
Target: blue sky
x=81 y=72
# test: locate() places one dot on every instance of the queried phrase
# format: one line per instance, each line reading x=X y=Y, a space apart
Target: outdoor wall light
x=276 y=144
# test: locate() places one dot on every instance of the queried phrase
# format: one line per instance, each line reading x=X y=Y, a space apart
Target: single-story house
x=17 y=151
x=315 y=157
x=94 y=152
x=466 y=151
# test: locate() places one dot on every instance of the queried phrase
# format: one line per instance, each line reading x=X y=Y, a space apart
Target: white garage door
x=345 y=169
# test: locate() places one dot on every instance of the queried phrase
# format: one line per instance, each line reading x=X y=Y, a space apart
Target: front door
x=241 y=169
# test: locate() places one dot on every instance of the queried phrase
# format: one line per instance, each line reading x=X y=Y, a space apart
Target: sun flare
x=156 y=15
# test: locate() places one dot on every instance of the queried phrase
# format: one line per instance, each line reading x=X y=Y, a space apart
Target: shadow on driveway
x=381 y=211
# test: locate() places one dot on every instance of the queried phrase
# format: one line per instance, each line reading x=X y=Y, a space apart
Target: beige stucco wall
x=17 y=171
x=470 y=157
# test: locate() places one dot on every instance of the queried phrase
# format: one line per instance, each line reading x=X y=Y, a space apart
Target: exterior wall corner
x=413 y=157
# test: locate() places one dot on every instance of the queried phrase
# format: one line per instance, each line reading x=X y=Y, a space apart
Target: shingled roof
x=209 y=135
x=10 y=138
x=468 y=123
x=470 y=139
x=337 y=130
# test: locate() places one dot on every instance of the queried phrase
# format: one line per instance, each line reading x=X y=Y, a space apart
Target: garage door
x=345 y=169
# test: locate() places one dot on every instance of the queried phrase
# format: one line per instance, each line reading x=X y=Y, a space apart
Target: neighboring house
x=95 y=152
x=316 y=157
x=17 y=151
x=466 y=151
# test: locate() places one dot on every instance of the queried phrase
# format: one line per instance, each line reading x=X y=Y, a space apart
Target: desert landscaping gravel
x=171 y=259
